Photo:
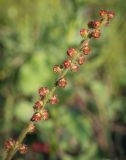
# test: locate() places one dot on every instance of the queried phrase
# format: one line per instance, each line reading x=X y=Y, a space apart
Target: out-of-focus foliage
x=89 y=121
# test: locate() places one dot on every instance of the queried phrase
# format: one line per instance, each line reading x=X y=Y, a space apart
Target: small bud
x=96 y=34
x=81 y=59
x=43 y=91
x=103 y=13
x=44 y=114
x=71 y=52
x=53 y=100
x=31 y=128
x=91 y=24
x=57 y=68
x=86 y=50
x=74 y=67
x=23 y=149
x=96 y=24
x=36 y=117
x=62 y=82
x=110 y=14
x=9 y=144
x=38 y=105
x=67 y=63
x=84 y=32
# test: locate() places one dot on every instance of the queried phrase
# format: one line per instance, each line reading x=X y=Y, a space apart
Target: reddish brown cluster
x=9 y=144
x=23 y=149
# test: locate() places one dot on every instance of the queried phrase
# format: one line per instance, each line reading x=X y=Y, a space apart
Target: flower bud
x=43 y=91
x=23 y=149
x=110 y=14
x=96 y=24
x=9 y=144
x=96 y=34
x=36 y=117
x=74 y=67
x=53 y=100
x=86 y=50
x=71 y=52
x=62 y=82
x=45 y=114
x=84 y=32
x=67 y=63
x=81 y=59
x=57 y=68
x=38 y=105
x=103 y=13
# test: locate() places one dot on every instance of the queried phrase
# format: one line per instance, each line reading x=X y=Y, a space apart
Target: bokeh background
x=89 y=122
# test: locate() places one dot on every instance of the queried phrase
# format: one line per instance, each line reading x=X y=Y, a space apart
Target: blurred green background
x=89 y=123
